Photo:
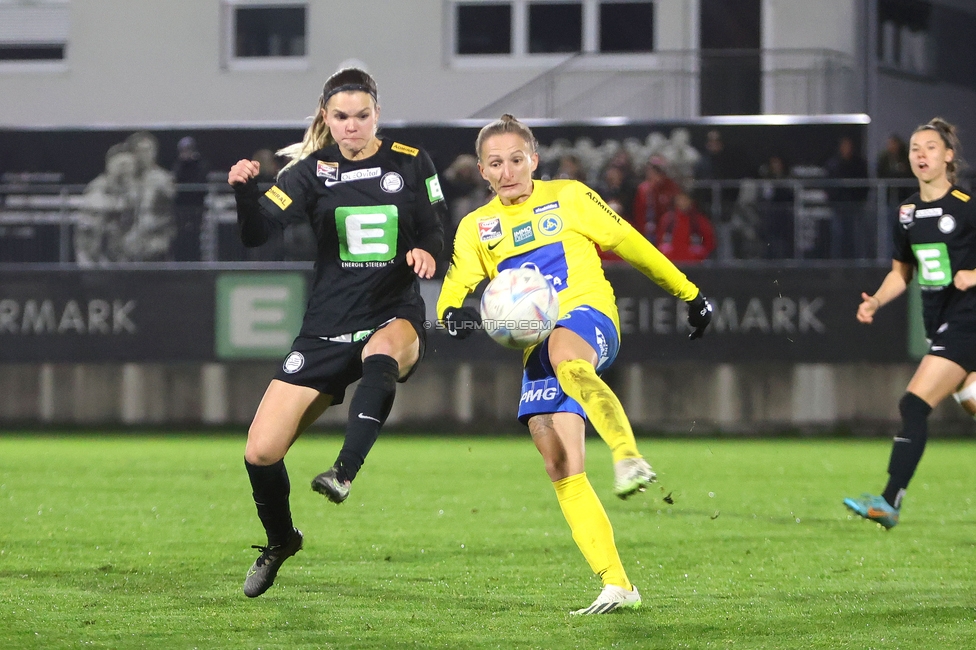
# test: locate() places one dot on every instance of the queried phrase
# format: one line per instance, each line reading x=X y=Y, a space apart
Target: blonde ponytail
x=316 y=136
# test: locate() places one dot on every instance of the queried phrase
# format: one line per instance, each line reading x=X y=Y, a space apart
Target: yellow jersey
x=557 y=230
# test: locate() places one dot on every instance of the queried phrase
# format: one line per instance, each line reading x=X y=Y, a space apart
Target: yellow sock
x=579 y=380
x=591 y=528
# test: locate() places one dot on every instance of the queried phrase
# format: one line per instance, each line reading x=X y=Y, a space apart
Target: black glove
x=461 y=321
x=699 y=315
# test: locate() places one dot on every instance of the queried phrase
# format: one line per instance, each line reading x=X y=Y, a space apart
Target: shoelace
x=266 y=552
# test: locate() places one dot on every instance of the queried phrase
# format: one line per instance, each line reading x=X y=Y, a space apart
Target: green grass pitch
x=143 y=542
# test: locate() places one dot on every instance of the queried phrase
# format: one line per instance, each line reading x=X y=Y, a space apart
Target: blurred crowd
x=128 y=208
x=696 y=203
x=137 y=211
x=693 y=203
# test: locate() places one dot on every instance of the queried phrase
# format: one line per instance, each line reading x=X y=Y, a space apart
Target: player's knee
x=557 y=467
x=258 y=451
x=575 y=372
x=262 y=459
x=966 y=397
x=913 y=407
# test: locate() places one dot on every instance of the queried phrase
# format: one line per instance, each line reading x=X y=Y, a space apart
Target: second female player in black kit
x=376 y=208
x=936 y=234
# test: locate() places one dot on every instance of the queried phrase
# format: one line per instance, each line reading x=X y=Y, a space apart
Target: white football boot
x=612 y=598
x=631 y=475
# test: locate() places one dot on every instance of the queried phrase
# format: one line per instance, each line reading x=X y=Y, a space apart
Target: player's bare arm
x=891 y=287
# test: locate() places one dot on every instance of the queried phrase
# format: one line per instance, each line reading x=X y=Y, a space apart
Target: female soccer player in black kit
x=936 y=234
x=375 y=206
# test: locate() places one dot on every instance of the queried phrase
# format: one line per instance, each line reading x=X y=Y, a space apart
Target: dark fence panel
x=106 y=316
x=787 y=314
x=799 y=315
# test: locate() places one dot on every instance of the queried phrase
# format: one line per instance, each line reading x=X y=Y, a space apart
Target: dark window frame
x=32 y=52
x=490 y=47
x=547 y=42
x=602 y=27
x=240 y=52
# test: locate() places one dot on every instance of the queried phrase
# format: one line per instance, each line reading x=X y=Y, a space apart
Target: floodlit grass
x=120 y=542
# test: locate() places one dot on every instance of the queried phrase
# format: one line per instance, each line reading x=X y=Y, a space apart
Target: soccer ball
x=519 y=307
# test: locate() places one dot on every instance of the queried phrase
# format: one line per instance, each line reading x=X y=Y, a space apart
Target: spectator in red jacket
x=684 y=234
x=654 y=198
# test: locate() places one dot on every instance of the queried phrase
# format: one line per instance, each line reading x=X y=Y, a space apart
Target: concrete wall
x=824 y=24
x=163 y=62
x=679 y=398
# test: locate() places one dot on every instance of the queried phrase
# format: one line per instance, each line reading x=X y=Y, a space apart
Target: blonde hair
x=505 y=124
x=950 y=139
x=318 y=135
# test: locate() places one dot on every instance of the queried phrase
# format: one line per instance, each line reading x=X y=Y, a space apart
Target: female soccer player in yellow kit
x=554 y=225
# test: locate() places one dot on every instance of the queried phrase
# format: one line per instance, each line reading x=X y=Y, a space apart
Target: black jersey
x=939 y=239
x=366 y=215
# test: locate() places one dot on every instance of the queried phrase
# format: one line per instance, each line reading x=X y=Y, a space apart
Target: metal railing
x=754 y=219
x=803 y=219
x=665 y=85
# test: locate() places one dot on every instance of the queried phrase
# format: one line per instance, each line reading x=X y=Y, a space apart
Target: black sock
x=368 y=410
x=270 y=488
x=906 y=451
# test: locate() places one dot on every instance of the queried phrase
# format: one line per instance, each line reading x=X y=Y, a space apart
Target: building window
x=33 y=32
x=903 y=35
x=484 y=28
x=522 y=30
x=627 y=27
x=555 y=27
x=32 y=52
x=263 y=31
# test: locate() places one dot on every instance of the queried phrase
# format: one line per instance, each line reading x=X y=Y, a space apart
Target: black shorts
x=955 y=345
x=330 y=366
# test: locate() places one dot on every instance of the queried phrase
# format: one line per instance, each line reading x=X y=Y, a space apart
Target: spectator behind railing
x=570 y=167
x=110 y=205
x=776 y=206
x=191 y=169
x=684 y=234
x=745 y=224
x=893 y=163
x=654 y=197
x=616 y=190
x=151 y=236
x=847 y=226
x=683 y=159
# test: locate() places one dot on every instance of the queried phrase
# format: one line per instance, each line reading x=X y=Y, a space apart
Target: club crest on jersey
x=489 y=229
x=947 y=223
x=523 y=234
x=325 y=169
x=546 y=207
x=906 y=213
x=551 y=225
x=391 y=182
x=293 y=363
